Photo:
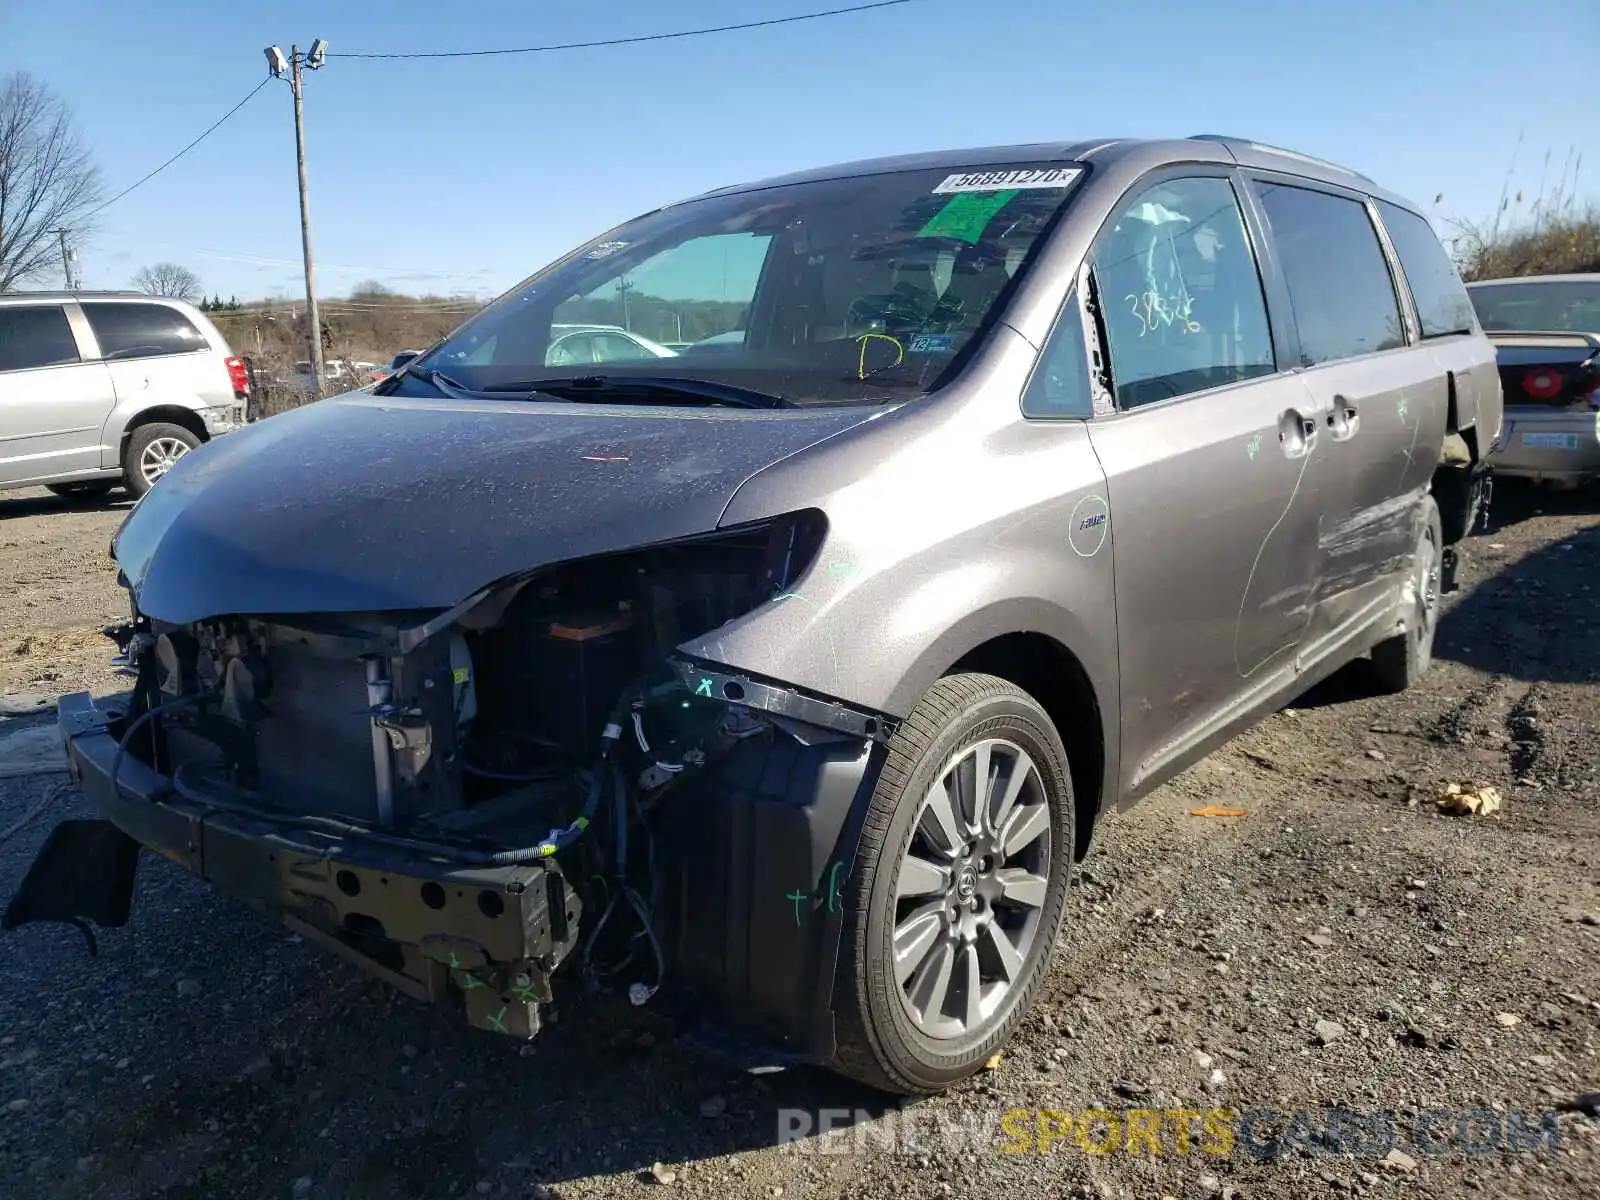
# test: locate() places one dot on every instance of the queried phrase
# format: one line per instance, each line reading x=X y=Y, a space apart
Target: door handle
x=1344 y=420
x=1297 y=433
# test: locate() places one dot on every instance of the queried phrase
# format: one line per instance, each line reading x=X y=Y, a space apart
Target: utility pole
x=66 y=258
x=296 y=63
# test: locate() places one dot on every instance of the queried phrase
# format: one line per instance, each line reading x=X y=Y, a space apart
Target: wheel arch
x=172 y=414
x=1054 y=676
x=1040 y=647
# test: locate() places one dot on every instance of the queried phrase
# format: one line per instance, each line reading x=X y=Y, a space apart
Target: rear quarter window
x=1443 y=306
x=142 y=330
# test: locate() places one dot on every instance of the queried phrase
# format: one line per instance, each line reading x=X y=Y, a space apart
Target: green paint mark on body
x=703 y=688
x=799 y=899
x=1253 y=448
x=498 y=1020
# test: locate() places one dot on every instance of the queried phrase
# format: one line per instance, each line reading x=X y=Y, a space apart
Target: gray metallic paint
x=1223 y=580
x=451 y=497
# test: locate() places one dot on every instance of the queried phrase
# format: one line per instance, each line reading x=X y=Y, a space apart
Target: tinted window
x=1339 y=282
x=1180 y=292
x=1060 y=385
x=142 y=330
x=1442 y=303
x=1550 y=306
x=854 y=289
x=35 y=336
x=612 y=347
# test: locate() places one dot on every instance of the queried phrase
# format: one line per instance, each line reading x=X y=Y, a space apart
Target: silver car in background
x=1546 y=334
x=101 y=388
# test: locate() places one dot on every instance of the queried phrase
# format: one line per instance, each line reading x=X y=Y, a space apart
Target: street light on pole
x=294 y=65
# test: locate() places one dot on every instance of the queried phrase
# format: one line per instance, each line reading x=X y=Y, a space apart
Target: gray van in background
x=102 y=388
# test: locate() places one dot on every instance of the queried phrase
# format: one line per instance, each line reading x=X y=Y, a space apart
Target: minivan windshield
x=825 y=291
x=1539 y=306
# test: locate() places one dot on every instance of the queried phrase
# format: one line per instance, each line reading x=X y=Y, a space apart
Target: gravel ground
x=1342 y=944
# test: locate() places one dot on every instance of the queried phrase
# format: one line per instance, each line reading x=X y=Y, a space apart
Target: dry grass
x=1555 y=232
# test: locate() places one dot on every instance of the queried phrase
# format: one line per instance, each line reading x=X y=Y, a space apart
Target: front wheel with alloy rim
x=152 y=449
x=1400 y=661
x=958 y=887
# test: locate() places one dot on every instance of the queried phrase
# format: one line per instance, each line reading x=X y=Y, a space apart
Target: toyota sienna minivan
x=779 y=683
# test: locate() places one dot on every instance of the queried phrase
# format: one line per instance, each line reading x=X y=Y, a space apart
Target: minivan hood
x=366 y=503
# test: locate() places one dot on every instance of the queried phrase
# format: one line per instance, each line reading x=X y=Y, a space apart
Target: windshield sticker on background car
x=999 y=181
x=966 y=215
x=932 y=343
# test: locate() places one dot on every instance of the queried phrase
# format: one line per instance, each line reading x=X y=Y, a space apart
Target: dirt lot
x=207 y=1054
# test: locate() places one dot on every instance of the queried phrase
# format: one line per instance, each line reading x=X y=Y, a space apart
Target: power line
x=630 y=41
x=213 y=128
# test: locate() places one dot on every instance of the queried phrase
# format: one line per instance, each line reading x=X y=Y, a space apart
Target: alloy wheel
x=970 y=890
x=1427 y=597
x=159 y=456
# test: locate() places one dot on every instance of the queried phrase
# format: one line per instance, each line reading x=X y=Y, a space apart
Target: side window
x=573 y=350
x=611 y=347
x=1443 y=306
x=35 y=335
x=142 y=330
x=1060 y=383
x=1181 y=296
x=1339 y=283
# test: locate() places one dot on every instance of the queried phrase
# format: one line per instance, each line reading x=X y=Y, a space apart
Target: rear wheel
x=1400 y=661
x=958 y=888
x=88 y=490
x=152 y=449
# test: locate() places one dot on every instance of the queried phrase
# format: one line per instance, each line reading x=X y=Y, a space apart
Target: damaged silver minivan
x=779 y=681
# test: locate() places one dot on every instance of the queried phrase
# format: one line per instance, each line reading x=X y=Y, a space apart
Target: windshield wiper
x=443 y=382
x=601 y=388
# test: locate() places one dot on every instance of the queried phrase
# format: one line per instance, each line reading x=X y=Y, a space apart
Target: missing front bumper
x=490 y=937
x=750 y=920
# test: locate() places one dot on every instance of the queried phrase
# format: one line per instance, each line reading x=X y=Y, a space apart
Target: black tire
x=878 y=1043
x=87 y=491
x=1399 y=662
x=143 y=436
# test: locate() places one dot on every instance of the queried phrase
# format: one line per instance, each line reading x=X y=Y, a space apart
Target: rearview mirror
x=402 y=359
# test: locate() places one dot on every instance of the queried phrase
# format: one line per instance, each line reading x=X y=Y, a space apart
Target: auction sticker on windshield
x=998 y=181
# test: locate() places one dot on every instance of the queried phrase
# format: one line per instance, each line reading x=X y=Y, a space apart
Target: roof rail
x=1250 y=144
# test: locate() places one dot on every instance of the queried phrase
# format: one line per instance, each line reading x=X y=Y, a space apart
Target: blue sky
x=467 y=174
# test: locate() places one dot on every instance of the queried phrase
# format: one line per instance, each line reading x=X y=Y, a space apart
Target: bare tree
x=48 y=181
x=168 y=279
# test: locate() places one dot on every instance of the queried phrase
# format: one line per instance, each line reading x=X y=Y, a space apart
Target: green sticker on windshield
x=966 y=215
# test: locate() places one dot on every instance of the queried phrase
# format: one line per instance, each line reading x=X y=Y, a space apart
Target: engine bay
x=544 y=725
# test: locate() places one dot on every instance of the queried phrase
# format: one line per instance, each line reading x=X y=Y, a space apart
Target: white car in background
x=574 y=345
